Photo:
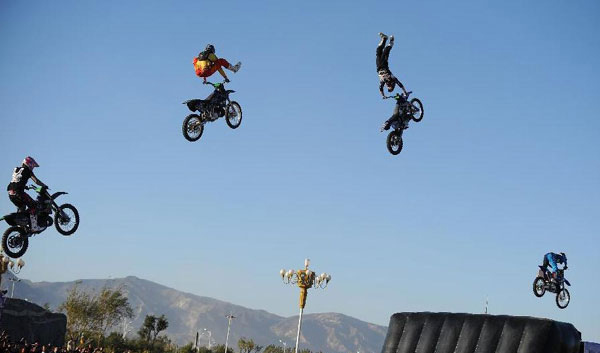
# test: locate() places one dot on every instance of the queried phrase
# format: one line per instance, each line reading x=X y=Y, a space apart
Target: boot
x=383 y=39
x=391 y=41
x=235 y=67
x=385 y=126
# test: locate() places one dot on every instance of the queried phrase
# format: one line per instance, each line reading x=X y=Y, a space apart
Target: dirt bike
x=216 y=106
x=545 y=282
x=404 y=112
x=16 y=238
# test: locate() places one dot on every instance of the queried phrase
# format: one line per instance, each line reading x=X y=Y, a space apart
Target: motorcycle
x=16 y=238
x=216 y=106
x=407 y=111
x=544 y=282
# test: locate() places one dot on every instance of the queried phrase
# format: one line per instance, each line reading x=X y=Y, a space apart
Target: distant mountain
x=326 y=332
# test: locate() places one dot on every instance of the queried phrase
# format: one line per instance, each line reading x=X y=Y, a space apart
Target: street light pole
x=209 y=337
x=13 y=280
x=284 y=345
x=305 y=279
x=229 y=317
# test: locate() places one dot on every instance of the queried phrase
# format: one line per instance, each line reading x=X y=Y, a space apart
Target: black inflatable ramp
x=472 y=333
x=22 y=319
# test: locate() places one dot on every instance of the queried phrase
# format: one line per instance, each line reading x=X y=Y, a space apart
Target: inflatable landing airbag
x=471 y=333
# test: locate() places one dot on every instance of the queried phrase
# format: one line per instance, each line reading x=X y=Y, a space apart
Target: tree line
x=92 y=319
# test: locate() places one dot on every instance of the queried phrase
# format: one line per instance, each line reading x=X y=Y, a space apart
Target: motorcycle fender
x=16 y=219
x=57 y=194
x=568 y=283
x=193 y=105
x=541 y=274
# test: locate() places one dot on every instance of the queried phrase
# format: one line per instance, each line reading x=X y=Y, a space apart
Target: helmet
x=563 y=256
x=210 y=49
x=30 y=162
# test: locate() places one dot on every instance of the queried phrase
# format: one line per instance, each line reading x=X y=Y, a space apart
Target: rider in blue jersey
x=551 y=260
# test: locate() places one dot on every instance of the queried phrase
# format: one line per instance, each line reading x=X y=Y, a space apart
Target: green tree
x=93 y=314
x=220 y=348
x=203 y=350
x=152 y=326
x=188 y=348
x=273 y=349
x=248 y=346
x=81 y=312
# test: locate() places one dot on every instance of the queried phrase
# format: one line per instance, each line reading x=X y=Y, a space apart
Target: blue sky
x=503 y=168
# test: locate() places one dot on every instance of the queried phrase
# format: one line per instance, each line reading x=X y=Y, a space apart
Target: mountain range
x=186 y=313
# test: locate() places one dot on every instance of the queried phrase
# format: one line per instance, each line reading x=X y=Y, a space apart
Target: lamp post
x=13 y=280
x=229 y=317
x=7 y=264
x=209 y=337
x=305 y=279
x=284 y=345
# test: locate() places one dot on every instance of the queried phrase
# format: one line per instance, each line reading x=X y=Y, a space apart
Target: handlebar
x=213 y=84
x=37 y=189
x=399 y=95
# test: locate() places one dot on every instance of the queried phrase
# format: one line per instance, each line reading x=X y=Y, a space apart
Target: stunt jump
x=217 y=104
x=405 y=110
x=33 y=217
x=553 y=280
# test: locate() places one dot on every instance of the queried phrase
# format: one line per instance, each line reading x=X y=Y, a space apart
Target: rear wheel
x=394 y=142
x=66 y=219
x=192 y=127
x=416 y=109
x=233 y=115
x=563 y=297
x=15 y=242
x=539 y=287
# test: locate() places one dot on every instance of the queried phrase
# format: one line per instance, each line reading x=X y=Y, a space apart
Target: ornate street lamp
x=305 y=279
x=229 y=317
x=7 y=264
x=209 y=337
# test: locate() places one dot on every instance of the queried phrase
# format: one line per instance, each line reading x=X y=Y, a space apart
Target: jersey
x=20 y=177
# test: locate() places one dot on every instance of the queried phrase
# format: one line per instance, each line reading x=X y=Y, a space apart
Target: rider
x=386 y=78
x=16 y=188
x=383 y=70
x=551 y=259
x=207 y=63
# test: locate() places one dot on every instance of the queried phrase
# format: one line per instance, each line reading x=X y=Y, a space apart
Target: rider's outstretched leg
x=380 y=58
x=387 y=49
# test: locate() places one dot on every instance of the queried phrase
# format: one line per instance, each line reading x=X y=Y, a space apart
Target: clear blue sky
x=503 y=168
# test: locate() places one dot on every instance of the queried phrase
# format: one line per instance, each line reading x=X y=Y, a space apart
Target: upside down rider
x=386 y=78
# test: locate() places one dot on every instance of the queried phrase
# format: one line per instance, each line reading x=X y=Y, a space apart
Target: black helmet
x=563 y=256
x=210 y=49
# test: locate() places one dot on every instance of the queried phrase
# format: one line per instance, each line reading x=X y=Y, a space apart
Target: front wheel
x=15 y=242
x=192 y=127
x=233 y=115
x=394 y=142
x=539 y=287
x=563 y=297
x=66 y=219
x=416 y=109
